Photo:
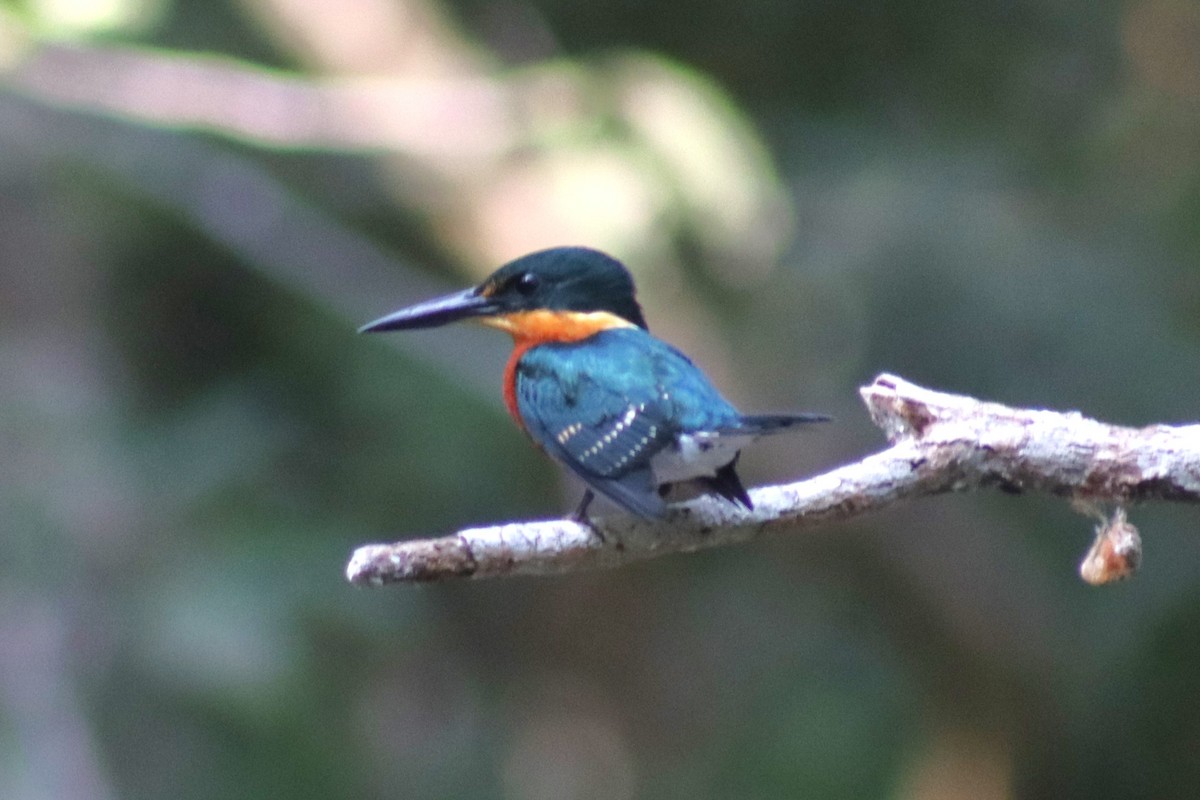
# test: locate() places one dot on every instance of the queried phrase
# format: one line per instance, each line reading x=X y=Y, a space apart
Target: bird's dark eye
x=527 y=283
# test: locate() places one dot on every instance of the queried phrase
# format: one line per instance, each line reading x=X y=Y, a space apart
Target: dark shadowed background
x=201 y=200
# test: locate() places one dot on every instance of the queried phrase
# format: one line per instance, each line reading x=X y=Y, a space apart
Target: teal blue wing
x=606 y=406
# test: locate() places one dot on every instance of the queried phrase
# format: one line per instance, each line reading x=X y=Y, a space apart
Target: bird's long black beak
x=432 y=313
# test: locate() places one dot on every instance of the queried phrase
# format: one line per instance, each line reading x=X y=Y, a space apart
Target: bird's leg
x=580 y=513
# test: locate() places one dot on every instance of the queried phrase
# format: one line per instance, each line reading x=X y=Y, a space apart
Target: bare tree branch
x=454 y=123
x=939 y=443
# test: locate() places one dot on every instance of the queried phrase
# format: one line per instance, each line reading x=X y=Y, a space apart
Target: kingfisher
x=626 y=412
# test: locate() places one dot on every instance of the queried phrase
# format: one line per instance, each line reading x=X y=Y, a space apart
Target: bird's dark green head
x=563 y=282
x=565 y=279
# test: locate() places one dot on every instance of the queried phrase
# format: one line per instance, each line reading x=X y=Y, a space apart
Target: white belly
x=697 y=455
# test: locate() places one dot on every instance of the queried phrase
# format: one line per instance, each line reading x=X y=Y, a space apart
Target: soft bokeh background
x=201 y=199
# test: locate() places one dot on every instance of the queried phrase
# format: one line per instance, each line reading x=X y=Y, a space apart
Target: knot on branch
x=898 y=407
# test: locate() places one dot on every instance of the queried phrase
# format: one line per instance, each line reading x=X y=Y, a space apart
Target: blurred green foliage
x=997 y=198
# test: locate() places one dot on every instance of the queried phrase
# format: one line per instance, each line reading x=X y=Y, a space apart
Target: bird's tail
x=763 y=424
x=748 y=428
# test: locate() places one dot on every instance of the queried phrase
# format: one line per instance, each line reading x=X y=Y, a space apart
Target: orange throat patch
x=531 y=328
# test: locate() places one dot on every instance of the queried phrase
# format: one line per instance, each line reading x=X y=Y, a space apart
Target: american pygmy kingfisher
x=626 y=412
